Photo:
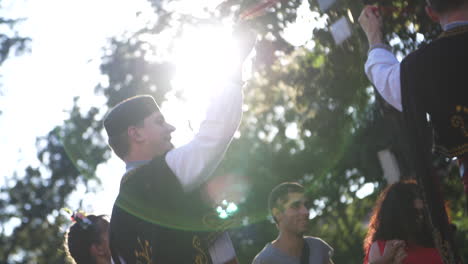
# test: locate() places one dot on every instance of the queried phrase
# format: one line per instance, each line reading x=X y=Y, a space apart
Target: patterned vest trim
x=436 y=74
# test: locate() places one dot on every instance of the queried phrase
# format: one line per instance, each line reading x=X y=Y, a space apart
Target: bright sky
x=67 y=41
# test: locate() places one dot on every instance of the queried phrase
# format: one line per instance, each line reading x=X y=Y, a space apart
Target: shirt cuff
x=222 y=250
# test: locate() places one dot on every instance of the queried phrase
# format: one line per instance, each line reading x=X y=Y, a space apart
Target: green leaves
x=311 y=116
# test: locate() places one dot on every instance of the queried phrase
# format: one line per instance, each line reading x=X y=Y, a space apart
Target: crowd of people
x=398 y=232
x=145 y=227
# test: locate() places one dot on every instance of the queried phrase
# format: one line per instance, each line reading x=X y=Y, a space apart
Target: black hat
x=128 y=113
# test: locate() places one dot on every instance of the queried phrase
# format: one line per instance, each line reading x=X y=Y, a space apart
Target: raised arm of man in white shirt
x=383 y=70
x=382 y=67
x=195 y=161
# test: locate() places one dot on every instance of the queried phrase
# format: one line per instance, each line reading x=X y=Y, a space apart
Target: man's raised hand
x=245 y=38
x=371 y=23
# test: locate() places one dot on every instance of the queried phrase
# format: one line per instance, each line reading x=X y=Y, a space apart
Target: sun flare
x=202 y=56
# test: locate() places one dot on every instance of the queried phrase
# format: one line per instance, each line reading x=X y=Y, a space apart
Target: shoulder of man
x=425 y=50
x=157 y=165
x=264 y=255
x=153 y=182
x=316 y=242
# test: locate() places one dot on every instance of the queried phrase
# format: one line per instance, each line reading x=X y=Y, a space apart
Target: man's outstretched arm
x=195 y=161
x=382 y=67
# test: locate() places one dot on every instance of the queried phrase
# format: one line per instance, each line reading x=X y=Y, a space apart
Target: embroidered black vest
x=434 y=80
x=437 y=76
x=155 y=221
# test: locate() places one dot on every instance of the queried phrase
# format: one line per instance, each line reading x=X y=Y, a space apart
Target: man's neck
x=289 y=243
x=138 y=156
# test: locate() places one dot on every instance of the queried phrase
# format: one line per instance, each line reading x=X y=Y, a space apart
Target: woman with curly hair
x=86 y=242
x=398 y=230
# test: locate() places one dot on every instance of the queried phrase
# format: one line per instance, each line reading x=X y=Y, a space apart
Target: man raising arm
x=159 y=215
x=431 y=80
x=433 y=76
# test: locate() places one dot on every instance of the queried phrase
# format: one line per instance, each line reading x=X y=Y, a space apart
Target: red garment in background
x=415 y=254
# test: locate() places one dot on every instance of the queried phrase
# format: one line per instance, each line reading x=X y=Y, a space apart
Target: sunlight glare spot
x=292 y=131
x=300 y=32
x=365 y=190
x=203 y=56
x=223 y=215
x=232 y=207
x=312 y=213
x=350 y=16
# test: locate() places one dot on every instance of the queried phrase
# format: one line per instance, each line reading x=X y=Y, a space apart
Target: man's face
x=294 y=217
x=156 y=134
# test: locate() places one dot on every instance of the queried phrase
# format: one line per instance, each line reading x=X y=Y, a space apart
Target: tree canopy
x=10 y=39
x=310 y=116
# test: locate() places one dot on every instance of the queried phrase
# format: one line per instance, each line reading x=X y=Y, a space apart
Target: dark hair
x=395 y=217
x=120 y=143
x=442 y=6
x=280 y=194
x=80 y=238
x=128 y=112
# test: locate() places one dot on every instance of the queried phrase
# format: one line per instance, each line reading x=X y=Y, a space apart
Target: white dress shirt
x=383 y=70
x=194 y=162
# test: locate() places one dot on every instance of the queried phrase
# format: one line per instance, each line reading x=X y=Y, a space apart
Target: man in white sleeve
x=159 y=215
x=434 y=77
x=431 y=81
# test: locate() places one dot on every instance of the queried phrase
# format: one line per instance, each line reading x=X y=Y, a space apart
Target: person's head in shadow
x=399 y=215
x=87 y=242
